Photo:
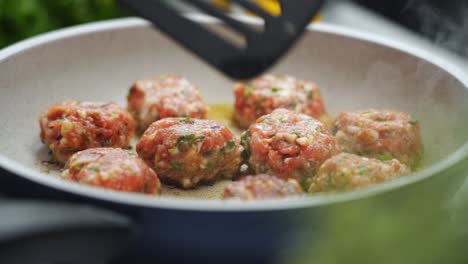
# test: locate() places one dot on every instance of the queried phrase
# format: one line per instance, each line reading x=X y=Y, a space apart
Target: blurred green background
x=20 y=19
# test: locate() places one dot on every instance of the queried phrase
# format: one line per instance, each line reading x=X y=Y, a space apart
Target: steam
x=448 y=29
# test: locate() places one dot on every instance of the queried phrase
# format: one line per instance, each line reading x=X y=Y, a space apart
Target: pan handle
x=52 y=232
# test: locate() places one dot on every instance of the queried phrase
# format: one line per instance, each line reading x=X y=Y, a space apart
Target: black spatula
x=262 y=47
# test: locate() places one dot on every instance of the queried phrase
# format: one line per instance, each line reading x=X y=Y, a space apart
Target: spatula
x=262 y=48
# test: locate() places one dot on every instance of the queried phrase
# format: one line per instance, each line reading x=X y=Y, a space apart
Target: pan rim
x=139 y=200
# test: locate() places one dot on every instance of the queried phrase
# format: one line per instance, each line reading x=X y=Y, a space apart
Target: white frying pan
x=99 y=61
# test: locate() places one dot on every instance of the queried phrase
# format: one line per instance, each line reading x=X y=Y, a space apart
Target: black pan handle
x=52 y=232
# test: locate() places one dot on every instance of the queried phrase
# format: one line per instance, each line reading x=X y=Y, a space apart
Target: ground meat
x=187 y=152
x=269 y=92
x=346 y=171
x=380 y=134
x=288 y=144
x=71 y=126
x=261 y=187
x=112 y=168
x=153 y=99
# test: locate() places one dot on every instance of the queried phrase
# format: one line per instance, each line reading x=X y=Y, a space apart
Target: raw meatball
x=289 y=145
x=380 y=134
x=187 y=152
x=261 y=187
x=112 y=168
x=269 y=92
x=71 y=126
x=153 y=99
x=346 y=171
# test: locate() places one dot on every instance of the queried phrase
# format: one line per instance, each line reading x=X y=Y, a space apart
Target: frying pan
x=355 y=70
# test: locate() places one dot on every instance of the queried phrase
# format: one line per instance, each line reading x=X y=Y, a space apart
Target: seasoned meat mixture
x=187 y=152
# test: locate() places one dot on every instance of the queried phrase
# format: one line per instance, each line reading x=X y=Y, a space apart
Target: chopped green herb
x=310 y=94
x=262 y=169
x=360 y=124
x=177 y=165
x=413 y=122
x=245 y=143
x=308 y=174
x=222 y=150
x=384 y=156
x=189 y=139
x=248 y=91
x=230 y=145
x=95 y=169
x=275 y=89
x=246 y=153
x=363 y=171
x=186 y=120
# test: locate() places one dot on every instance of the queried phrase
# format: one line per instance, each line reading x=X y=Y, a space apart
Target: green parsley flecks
x=186 y=120
x=229 y=146
x=177 y=165
x=275 y=89
x=248 y=91
x=189 y=139
x=363 y=171
x=384 y=156
x=413 y=122
x=310 y=94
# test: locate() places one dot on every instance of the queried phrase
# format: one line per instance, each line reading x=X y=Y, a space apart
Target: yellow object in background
x=271 y=6
x=223 y=4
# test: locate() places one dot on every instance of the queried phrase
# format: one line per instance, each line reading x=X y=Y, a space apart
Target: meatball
x=153 y=99
x=71 y=126
x=112 y=168
x=346 y=171
x=262 y=187
x=187 y=152
x=380 y=134
x=288 y=144
x=268 y=92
